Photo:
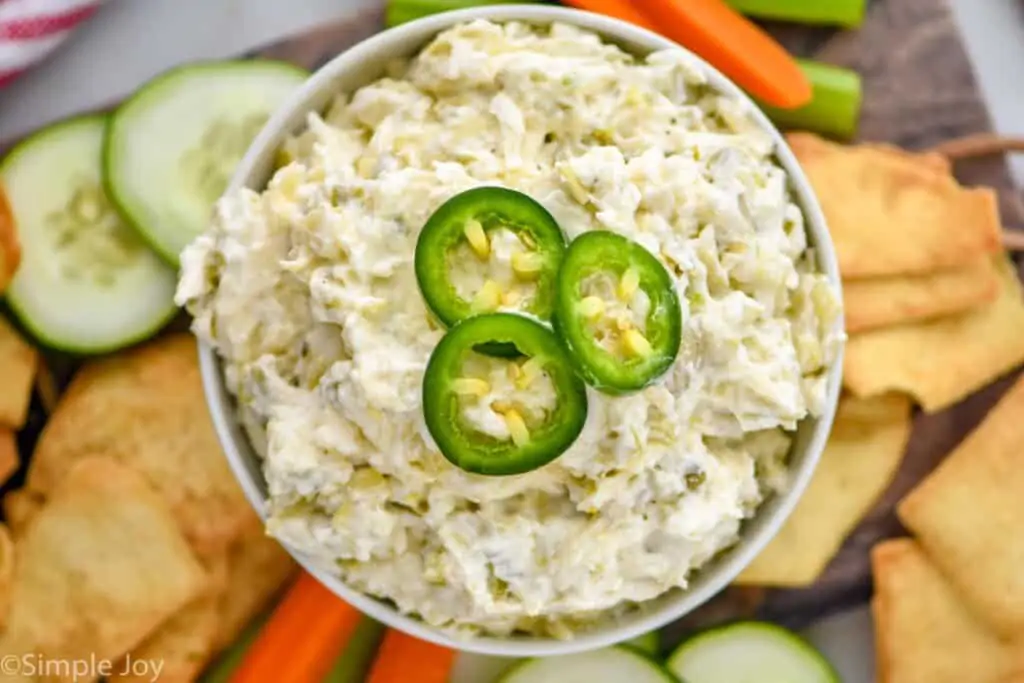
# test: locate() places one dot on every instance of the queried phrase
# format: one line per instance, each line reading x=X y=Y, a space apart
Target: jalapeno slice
x=489 y=249
x=499 y=416
x=617 y=312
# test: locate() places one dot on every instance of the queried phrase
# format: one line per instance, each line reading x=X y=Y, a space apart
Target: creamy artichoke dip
x=307 y=291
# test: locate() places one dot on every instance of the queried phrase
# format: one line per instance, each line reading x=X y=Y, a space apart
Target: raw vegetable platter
x=918 y=90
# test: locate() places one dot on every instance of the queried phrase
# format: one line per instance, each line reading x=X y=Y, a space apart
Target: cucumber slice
x=607 y=665
x=87 y=283
x=172 y=146
x=648 y=643
x=750 y=652
x=473 y=668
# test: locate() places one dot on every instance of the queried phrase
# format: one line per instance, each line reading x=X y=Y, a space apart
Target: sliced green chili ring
x=470 y=218
x=637 y=357
x=475 y=451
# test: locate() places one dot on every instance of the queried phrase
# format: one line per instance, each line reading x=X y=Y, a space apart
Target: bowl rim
x=710 y=578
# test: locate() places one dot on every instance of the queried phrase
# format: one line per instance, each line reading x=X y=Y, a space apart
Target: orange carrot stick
x=731 y=43
x=404 y=659
x=302 y=637
x=617 y=9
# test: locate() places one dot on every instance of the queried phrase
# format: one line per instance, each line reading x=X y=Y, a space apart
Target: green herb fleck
x=694 y=480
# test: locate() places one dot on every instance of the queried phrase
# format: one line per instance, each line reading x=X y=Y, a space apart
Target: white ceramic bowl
x=362 y=64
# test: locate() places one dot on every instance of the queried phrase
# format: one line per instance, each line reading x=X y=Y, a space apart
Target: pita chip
x=258 y=570
x=897 y=299
x=863 y=453
x=891 y=214
x=8 y=454
x=10 y=248
x=20 y=506
x=146 y=409
x=182 y=645
x=18 y=363
x=46 y=388
x=969 y=515
x=247 y=578
x=98 y=569
x=185 y=643
x=6 y=572
x=931 y=160
x=942 y=361
x=244 y=582
x=923 y=633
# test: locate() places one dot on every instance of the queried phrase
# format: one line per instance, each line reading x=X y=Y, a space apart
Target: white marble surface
x=131 y=40
x=128 y=41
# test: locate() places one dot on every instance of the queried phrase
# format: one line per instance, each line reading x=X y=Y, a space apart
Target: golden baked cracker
x=883 y=301
x=18 y=363
x=890 y=214
x=46 y=388
x=145 y=408
x=245 y=579
x=99 y=568
x=8 y=454
x=923 y=633
x=20 y=506
x=863 y=453
x=932 y=160
x=185 y=642
x=182 y=645
x=969 y=515
x=258 y=570
x=940 y=362
x=10 y=247
x=6 y=572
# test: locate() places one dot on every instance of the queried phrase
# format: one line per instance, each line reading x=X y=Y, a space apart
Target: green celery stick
x=354 y=663
x=845 y=13
x=394 y=16
x=400 y=11
x=221 y=670
x=834 y=109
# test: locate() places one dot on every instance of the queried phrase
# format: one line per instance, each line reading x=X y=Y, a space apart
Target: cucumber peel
x=173 y=145
x=750 y=652
x=87 y=283
x=648 y=643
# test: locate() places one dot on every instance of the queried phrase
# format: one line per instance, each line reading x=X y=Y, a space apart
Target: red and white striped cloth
x=31 y=29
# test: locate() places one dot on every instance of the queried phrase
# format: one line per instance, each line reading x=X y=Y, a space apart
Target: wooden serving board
x=919 y=90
